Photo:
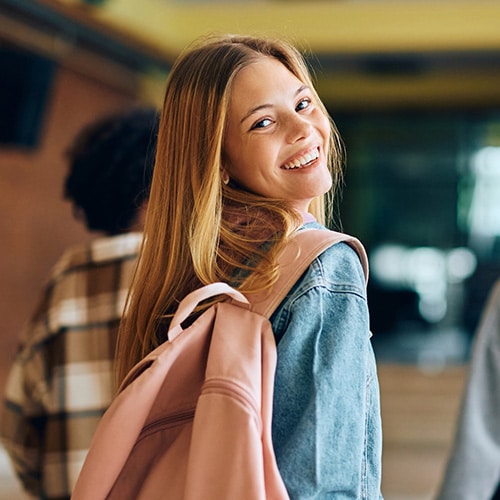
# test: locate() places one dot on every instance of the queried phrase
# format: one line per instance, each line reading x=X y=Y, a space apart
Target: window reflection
x=484 y=213
x=423 y=194
x=429 y=272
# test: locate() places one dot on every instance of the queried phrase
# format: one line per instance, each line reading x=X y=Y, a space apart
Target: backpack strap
x=187 y=306
x=295 y=258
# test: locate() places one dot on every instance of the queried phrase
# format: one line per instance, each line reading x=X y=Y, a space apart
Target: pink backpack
x=192 y=420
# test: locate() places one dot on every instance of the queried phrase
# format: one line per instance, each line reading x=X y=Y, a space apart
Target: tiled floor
x=419 y=410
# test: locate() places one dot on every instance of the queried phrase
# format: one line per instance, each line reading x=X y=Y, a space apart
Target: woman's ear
x=224 y=176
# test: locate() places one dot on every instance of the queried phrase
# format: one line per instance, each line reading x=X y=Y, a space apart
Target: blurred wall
x=36 y=224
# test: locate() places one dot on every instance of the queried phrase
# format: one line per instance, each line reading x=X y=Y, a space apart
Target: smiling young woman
x=246 y=156
x=277 y=136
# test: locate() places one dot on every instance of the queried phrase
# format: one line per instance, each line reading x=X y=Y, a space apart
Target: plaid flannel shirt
x=62 y=378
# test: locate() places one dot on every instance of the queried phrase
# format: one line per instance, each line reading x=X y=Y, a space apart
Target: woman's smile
x=303 y=160
x=275 y=128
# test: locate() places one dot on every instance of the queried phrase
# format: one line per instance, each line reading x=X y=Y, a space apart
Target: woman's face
x=276 y=136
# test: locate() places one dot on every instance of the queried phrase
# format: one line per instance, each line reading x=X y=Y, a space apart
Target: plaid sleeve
x=24 y=418
x=62 y=378
x=22 y=423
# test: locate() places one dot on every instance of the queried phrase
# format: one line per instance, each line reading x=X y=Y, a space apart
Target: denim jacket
x=326 y=418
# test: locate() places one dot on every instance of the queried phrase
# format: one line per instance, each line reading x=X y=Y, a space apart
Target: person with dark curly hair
x=111 y=168
x=62 y=378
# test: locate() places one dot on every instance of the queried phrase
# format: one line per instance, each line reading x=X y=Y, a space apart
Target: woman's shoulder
x=336 y=274
x=340 y=266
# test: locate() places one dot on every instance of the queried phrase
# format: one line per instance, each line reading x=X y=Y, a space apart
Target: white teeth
x=302 y=160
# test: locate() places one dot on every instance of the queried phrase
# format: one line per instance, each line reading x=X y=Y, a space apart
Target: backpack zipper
x=167 y=421
x=220 y=386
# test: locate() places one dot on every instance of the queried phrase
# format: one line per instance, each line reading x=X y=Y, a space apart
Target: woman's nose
x=299 y=128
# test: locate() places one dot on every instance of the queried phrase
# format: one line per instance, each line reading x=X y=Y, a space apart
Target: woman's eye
x=303 y=104
x=262 y=123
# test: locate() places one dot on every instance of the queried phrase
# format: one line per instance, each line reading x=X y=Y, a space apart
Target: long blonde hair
x=197 y=229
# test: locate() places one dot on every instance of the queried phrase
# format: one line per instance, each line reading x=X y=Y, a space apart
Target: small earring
x=225 y=177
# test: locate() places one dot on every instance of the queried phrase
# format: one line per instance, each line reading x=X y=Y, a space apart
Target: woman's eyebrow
x=302 y=88
x=263 y=106
x=254 y=110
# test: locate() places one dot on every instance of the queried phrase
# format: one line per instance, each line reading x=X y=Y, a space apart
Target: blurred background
x=414 y=87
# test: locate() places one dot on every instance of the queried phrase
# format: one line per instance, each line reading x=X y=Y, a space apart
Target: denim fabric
x=326 y=418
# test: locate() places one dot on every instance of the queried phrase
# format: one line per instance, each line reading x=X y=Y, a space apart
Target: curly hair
x=110 y=169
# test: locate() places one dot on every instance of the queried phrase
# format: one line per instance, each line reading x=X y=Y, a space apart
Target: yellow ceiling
x=323 y=26
x=426 y=33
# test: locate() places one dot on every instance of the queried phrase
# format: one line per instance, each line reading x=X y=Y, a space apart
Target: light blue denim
x=327 y=431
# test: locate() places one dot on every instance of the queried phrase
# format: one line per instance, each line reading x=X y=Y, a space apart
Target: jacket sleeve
x=22 y=426
x=326 y=420
x=473 y=469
